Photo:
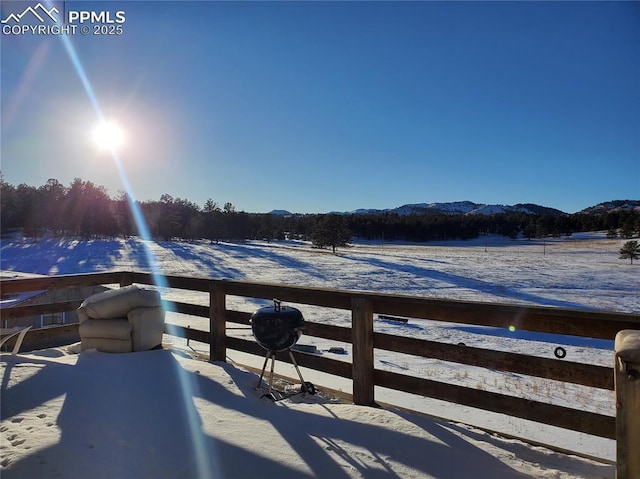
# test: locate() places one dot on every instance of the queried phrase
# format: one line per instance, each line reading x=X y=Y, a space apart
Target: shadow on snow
x=145 y=425
x=60 y=256
x=468 y=283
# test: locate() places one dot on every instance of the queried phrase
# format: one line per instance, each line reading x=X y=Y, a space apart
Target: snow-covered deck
x=165 y=414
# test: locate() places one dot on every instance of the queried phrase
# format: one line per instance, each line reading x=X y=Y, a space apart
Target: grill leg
x=273 y=363
x=295 y=364
x=306 y=387
x=264 y=366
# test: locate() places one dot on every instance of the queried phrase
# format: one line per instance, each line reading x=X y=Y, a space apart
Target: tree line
x=84 y=209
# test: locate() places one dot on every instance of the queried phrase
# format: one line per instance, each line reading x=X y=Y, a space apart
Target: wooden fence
x=364 y=340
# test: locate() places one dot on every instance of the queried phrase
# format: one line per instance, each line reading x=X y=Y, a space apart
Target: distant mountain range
x=464 y=208
x=471 y=208
x=617 y=205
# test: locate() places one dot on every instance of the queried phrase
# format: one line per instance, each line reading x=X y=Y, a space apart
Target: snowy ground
x=578 y=272
x=160 y=414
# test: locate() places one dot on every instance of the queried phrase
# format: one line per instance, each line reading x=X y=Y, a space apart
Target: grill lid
x=277 y=328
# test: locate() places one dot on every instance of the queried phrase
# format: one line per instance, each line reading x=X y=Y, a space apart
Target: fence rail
x=363 y=306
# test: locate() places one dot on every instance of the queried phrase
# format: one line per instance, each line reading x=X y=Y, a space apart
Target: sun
x=108 y=135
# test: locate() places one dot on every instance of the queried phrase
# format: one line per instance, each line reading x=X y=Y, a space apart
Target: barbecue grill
x=277 y=328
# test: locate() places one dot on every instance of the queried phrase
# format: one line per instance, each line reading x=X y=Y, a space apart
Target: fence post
x=362 y=340
x=217 y=322
x=627 y=384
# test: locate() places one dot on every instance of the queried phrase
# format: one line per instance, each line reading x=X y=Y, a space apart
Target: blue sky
x=334 y=106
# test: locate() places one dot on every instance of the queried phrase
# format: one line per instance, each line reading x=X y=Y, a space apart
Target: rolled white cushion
x=116 y=303
x=148 y=327
x=627 y=345
x=111 y=329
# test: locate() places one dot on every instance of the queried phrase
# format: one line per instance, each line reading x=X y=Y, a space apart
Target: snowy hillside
x=618 y=205
x=461 y=208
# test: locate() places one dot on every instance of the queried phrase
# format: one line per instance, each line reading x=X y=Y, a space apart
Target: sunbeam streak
x=202 y=456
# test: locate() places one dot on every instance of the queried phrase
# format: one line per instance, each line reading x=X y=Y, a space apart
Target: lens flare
x=108 y=135
x=205 y=460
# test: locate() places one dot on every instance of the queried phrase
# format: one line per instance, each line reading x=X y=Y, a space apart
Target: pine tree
x=628 y=228
x=630 y=250
x=331 y=230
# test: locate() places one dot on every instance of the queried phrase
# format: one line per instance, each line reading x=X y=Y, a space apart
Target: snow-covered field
x=578 y=272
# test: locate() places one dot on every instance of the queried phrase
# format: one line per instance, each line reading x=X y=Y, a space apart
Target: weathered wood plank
x=582 y=421
x=245 y=346
x=187 y=333
x=22 y=285
x=328 y=331
x=37 y=309
x=331 y=298
x=239 y=317
x=187 y=308
x=595 y=324
x=559 y=370
x=316 y=362
x=173 y=281
x=49 y=337
x=126 y=279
